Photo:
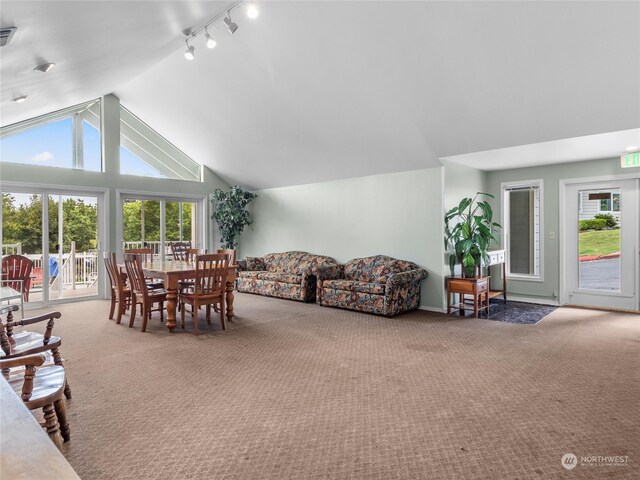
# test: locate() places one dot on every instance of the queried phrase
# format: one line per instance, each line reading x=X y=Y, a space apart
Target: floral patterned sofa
x=379 y=284
x=286 y=275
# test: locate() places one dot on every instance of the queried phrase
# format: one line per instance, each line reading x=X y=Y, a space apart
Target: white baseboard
x=537 y=301
x=432 y=309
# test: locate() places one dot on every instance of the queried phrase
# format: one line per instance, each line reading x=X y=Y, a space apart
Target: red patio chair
x=16 y=273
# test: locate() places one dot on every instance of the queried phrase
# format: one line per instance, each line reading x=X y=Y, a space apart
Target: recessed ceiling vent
x=6 y=34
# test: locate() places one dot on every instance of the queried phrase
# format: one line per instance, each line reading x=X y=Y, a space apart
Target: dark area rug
x=514 y=312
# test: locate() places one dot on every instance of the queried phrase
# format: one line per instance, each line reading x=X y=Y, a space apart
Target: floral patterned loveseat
x=286 y=275
x=379 y=284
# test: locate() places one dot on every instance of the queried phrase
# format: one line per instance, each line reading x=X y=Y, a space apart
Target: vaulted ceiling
x=314 y=91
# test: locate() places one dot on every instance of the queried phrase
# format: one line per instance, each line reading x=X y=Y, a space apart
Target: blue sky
x=51 y=145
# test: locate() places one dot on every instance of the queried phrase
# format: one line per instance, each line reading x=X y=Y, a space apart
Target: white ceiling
x=314 y=91
x=590 y=147
x=96 y=46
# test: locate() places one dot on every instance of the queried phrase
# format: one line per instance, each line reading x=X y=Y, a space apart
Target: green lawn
x=599 y=242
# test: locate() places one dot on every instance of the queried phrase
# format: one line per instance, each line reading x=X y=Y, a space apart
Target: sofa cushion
x=375 y=269
x=338 y=284
x=295 y=263
x=354 y=286
x=280 y=277
x=254 y=263
x=366 y=287
x=249 y=274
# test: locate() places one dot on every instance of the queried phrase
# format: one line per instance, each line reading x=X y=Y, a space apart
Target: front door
x=601 y=244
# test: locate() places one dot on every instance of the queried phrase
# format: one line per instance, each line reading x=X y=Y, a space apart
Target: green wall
x=398 y=214
x=460 y=181
x=551 y=175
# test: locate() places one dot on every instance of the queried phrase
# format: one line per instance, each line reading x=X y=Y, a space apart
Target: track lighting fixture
x=45 y=67
x=211 y=43
x=231 y=25
x=20 y=99
x=252 y=11
x=192 y=32
x=189 y=53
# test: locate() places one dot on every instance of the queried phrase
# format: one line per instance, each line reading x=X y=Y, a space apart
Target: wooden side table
x=478 y=287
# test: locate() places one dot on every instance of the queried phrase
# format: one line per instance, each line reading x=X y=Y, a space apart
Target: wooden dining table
x=171 y=272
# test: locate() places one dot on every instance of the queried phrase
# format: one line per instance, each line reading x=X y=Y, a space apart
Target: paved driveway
x=600 y=274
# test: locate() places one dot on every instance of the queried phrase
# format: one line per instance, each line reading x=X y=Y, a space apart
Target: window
x=68 y=138
x=144 y=152
x=156 y=222
x=611 y=204
x=522 y=222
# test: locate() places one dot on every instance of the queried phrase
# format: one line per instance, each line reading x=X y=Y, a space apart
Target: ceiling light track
x=225 y=16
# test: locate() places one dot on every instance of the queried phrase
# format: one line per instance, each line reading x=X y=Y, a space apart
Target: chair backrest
x=230 y=252
x=211 y=274
x=16 y=273
x=180 y=250
x=145 y=253
x=116 y=277
x=109 y=265
x=133 y=265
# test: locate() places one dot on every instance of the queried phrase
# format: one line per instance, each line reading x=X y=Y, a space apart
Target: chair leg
x=113 y=306
x=121 y=309
x=222 y=310
x=133 y=315
x=57 y=359
x=209 y=314
x=146 y=313
x=194 y=316
x=61 y=413
x=182 y=314
x=51 y=424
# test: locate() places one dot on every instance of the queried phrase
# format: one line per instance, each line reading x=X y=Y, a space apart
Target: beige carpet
x=296 y=391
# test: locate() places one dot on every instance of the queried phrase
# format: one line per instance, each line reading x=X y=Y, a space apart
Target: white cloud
x=43 y=157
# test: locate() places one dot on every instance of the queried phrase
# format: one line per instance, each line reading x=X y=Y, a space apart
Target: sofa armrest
x=412 y=276
x=251 y=264
x=329 y=272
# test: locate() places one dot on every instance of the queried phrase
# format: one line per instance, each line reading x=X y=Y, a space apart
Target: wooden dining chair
x=180 y=250
x=146 y=256
x=41 y=388
x=141 y=293
x=120 y=292
x=209 y=288
x=24 y=342
x=16 y=273
x=189 y=256
x=230 y=252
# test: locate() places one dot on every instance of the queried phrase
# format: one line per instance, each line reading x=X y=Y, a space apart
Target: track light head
x=189 y=53
x=231 y=25
x=252 y=11
x=45 y=67
x=211 y=43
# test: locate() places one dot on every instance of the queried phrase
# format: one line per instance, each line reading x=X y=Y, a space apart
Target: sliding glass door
x=155 y=223
x=59 y=232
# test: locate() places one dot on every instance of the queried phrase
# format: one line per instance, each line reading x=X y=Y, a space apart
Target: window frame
x=152 y=148
x=610 y=203
x=505 y=188
x=78 y=114
x=201 y=217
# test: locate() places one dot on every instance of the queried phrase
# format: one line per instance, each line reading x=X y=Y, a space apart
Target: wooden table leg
x=229 y=301
x=171 y=309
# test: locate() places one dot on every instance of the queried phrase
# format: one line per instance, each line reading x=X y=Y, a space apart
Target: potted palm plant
x=231 y=214
x=469 y=231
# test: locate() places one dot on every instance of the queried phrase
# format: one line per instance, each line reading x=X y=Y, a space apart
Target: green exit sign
x=629 y=160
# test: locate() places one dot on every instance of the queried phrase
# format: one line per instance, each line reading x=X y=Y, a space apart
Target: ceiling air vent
x=6 y=34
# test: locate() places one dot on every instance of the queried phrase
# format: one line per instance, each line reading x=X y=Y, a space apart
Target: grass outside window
x=599 y=242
